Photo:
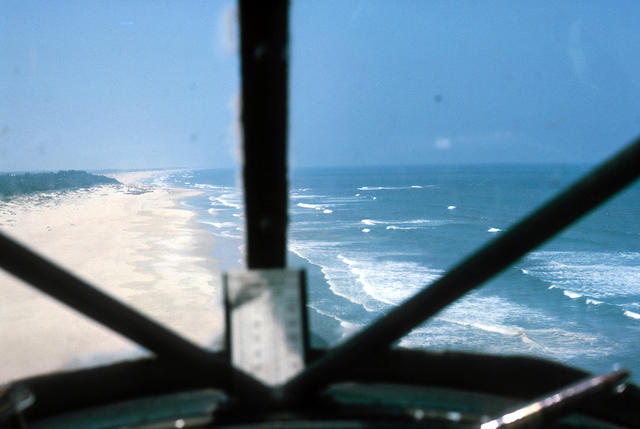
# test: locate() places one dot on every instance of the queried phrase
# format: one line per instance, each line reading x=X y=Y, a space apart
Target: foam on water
x=230 y=235
x=307 y=248
x=348 y=328
x=341 y=282
x=310 y=206
x=401 y=228
x=597 y=274
x=219 y=225
x=494 y=324
x=229 y=200
x=203 y=186
x=389 y=282
x=572 y=295
x=318 y=207
x=388 y=188
x=368 y=274
x=370 y=222
x=415 y=223
x=303 y=196
x=505 y=330
x=426 y=222
x=373 y=283
x=378 y=188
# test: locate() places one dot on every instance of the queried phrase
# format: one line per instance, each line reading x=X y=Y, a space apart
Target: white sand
x=142 y=248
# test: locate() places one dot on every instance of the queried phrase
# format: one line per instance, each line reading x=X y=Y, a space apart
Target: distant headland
x=14 y=184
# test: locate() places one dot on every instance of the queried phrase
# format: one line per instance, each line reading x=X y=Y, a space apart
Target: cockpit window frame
x=264 y=55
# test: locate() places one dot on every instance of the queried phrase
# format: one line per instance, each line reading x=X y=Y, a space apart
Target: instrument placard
x=266 y=322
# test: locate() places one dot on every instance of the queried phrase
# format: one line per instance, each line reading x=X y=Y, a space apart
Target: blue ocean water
x=372 y=237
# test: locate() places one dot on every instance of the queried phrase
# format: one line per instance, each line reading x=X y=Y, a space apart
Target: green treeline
x=26 y=183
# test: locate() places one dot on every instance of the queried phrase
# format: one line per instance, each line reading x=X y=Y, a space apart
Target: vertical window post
x=264 y=44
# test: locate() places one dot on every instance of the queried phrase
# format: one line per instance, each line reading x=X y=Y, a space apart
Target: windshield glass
x=418 y=132
x=422 y=130
x=143 y=93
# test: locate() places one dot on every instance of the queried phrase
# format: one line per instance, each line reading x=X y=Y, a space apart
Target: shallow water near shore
x=372 y=237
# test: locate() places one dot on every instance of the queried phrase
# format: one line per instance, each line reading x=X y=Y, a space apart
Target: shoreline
x=137 y=244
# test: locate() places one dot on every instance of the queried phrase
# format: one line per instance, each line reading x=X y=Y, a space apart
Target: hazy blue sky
x=140 y=84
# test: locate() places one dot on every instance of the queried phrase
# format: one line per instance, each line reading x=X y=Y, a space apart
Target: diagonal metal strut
x=567 y=207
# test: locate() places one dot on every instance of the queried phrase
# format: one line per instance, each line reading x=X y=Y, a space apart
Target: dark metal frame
x=264 y=49
x=180 y=364
x=519 y=377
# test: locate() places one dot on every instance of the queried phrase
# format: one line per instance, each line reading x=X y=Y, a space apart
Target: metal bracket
x=267 y=334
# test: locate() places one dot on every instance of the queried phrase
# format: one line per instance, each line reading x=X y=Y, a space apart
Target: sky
x=152 y=84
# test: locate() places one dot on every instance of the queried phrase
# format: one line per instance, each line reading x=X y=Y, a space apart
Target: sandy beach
x=135 y=243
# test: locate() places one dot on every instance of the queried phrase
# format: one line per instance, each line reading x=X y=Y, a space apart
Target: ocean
x=371 y=237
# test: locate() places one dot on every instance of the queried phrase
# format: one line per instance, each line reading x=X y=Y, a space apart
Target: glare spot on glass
x=454 y=416
x=443 y=143
x=418 y=414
